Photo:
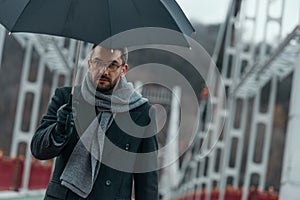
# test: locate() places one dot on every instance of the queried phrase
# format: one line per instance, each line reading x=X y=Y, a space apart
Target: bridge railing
x=231 y=193
x=12 y=169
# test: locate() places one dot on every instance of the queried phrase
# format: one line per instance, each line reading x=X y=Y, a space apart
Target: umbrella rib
x=66 y=19
x=139 y=12
x=109 y=14
x=20 y=15
x=136 y=8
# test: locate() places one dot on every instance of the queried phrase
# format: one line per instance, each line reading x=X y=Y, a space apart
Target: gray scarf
x=83 y=165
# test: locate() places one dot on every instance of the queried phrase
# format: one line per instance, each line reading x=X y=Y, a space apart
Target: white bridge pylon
x=247 y=68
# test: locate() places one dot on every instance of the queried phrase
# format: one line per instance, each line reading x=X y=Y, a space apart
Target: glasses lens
x=99 y=64
x=113 y=67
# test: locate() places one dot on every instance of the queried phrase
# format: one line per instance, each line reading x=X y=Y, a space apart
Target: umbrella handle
x=75 y=66
x=70 y=100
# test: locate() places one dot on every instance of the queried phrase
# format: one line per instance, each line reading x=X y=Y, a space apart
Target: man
x=105 y=142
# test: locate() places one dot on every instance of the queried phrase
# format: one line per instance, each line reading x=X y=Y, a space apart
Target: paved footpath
x=32 y=195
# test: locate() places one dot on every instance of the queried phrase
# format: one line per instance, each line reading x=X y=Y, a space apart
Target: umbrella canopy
x=91 y=20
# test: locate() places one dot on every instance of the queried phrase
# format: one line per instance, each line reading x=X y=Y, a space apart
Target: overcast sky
x=214 y=11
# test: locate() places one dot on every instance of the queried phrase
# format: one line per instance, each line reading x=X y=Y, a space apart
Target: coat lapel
x=116 y=135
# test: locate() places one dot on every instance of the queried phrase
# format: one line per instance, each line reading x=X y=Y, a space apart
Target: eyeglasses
x=99 y=64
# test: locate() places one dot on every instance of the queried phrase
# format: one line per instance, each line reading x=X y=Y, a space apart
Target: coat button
x=127 y=147
x=107 y=182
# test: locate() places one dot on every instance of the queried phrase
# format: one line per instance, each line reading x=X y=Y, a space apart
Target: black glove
x=65 y=123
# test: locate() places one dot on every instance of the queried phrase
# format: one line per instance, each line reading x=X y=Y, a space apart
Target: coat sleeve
x=42 y=146
x=146 y=183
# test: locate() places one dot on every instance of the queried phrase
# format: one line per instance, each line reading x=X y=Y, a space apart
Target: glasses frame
x=105 y=66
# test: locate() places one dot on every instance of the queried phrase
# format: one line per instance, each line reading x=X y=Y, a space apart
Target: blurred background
x=243 y=148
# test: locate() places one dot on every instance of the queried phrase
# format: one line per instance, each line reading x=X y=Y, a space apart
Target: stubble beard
x=106 y=89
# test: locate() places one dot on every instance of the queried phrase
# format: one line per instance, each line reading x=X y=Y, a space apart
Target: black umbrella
x=96 y=20
x=91 y=20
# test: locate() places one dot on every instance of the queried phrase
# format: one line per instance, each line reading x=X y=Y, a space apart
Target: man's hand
x=65 y=123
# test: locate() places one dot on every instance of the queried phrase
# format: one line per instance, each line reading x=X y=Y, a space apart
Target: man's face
x=106 y=67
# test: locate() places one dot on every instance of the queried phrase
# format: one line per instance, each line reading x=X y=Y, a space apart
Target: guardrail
x=230 y=194
x=11 y=173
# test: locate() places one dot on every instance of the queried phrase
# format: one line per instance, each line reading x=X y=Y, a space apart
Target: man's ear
x=124 y=70
x=89 y=63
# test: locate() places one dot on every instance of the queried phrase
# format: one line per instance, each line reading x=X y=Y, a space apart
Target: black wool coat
x=111 y=182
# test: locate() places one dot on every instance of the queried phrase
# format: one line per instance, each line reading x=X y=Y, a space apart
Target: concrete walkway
x=28 y=195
